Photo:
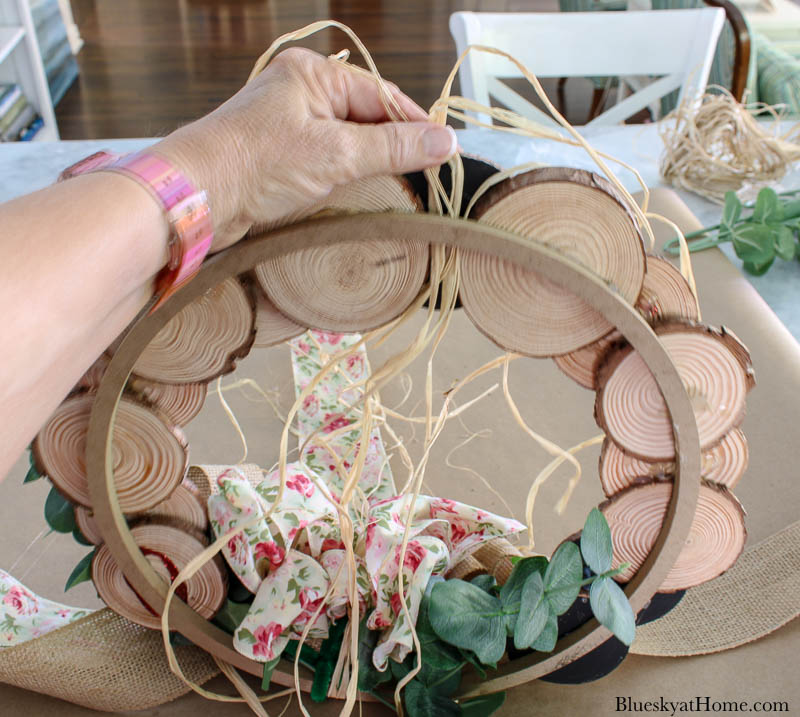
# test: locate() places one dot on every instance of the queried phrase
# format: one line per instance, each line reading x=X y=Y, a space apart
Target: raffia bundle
x=719 y=146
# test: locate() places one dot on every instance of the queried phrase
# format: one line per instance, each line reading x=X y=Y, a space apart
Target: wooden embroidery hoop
x=462 y=234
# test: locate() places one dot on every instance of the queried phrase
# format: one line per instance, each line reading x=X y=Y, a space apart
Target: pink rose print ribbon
x=25 y=616
x=295 y=558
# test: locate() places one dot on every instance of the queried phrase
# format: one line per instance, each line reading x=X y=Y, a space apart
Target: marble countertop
x=26 y=167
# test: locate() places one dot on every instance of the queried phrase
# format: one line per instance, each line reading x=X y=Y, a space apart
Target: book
x=20 y=124
x=8 y=98
x=16 y=109
x=34 y=127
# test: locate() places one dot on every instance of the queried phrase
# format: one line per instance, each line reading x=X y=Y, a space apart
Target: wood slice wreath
x=167 y=550
x=150 y=453
x=714 y=543
x=724 y=464
x=714 y=366
x=272 y=327
x=205 y=340
x=665 y=293
x=581 y=216
x=388 y=230
x=350 y=285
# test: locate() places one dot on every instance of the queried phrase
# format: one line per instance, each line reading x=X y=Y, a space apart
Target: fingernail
x=439 y=142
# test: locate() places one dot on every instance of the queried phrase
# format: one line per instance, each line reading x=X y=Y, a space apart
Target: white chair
x=675 y=45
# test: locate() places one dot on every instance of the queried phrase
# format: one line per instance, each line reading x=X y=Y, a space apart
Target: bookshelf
x=21 y=62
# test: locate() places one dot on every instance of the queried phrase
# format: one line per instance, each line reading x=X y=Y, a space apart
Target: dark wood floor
x=148 y=66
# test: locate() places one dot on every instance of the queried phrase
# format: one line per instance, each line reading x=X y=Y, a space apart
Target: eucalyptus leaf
x=611 y=607
x=534 y=611
x=80 y=538
x=436 y=654
x=81 y=573
x=422 y=702
x=269 y=668
x=59 y=513
x=753 y=243
x=369 y=677
x=470 y=657
x=596 y=547
x=465 y=616
x=785 y=246
x=548 y=636
x=767 y=208
x=562 y=580
x=758 y=269
x=511 y=592
x=231 y=615
x=487 y=583
x=32 y=475
x=732 y=210
x=482 y=706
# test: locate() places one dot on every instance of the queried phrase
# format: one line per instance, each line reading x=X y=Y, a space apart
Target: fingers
x=394 y=147
x=360 y=97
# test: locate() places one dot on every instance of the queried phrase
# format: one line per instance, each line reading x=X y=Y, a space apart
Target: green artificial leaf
x=596 y=547
x=437 y=655
x=754 y=243
x=32 y=474
x=238 y=592
x=423 y=702
x=611 y=607
x=758 y=269
x=482 y=706
x=269 y=668
x=768 y=208
x=470 y=657
x=548 y=636
x=465 y=616
x=231 y=615
x=487 y=583
x=326 y=664
x=79 y=537
x=369 y=677
x=562 y=580
x=58 y=512
x=511 y=592
x=791 y=210
x=534 y=611
x=81 y=573
x=732 y=210
x=785 y=246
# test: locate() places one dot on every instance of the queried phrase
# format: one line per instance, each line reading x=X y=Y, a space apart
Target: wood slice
x=581 y=365
x=150 y=453
x=350 y=285
x=94 y=374
x=574 y=212
x=272 y=327
x=724 y=464
x=204 y=340
x=168 y=549
x=86 y=523
x=184 y=508
x=665 y=293
x=715 y=369
x=715 y=541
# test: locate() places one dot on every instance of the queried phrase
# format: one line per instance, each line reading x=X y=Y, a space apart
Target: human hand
x=303 y=126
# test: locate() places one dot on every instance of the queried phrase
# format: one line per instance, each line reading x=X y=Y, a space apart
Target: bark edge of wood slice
x=523 y=311
x=205 y=339
x=715 y=541
x=715 y=368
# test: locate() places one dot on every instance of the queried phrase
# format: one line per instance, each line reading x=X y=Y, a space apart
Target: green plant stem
x=448 y=675
x=382 y=700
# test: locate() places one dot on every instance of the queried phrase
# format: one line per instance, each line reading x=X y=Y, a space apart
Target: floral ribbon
x=25 y=616
x=295 y=561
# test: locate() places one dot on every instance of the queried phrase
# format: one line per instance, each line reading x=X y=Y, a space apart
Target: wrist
x=207 y=155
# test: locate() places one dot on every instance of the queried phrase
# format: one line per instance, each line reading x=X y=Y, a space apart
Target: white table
x=26 y=167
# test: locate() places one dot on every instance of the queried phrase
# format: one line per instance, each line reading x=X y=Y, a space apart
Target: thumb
x=397 y=147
